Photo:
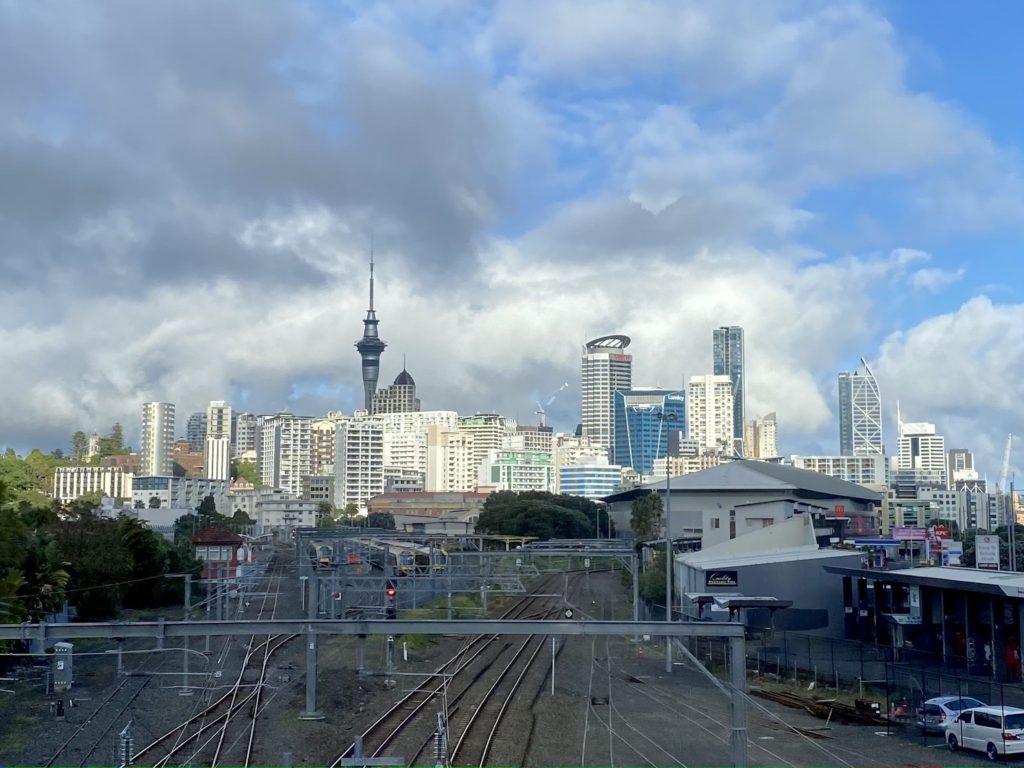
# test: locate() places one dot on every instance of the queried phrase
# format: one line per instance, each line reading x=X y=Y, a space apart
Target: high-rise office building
x=606 y=367
x=158 y=439
x=370 y=348
x=324 y=444
x=593 y=480
x=922 y=452
x=245 y=433
x=530 y=437
x=285 y=451
x=860 y=414
x=727 y=357
x=761 y=438
x=489 y=431
x=709 y=413
x=358 y=463
x=644 y=420
x=451 y=464
x=400 y=397
x=218 y=441
x=960 y=467
x=195 y=432
x=405 y=440
x=515 y=470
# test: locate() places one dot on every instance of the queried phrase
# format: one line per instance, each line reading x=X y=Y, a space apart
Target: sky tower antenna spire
x=370 y=346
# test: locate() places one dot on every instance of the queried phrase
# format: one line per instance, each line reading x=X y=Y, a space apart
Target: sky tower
x=370 y=347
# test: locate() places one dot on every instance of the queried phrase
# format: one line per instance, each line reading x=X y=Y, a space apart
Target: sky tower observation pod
x=615 y=341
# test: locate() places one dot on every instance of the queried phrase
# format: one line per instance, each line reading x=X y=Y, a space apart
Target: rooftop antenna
x=371 y=271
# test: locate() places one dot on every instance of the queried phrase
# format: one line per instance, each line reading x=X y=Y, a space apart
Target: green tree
x=652 y=580
x=239 y=521
x=79 y=445
x=534 y=513
x=246 y=470
x=208 y=506
x=154 y=502
x=113 y=444
x=148 y=554
x=99 y=564
x=644 y=516
x=28 y=479
x=325 y=513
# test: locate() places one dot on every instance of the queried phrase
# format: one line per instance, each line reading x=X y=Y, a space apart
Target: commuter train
x=582 y=545
x=403 y=557
x=323 y=554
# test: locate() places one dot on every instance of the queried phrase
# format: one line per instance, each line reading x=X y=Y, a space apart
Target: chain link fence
x=897 y=681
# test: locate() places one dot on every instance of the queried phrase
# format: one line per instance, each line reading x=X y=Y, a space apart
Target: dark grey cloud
x=189 y=120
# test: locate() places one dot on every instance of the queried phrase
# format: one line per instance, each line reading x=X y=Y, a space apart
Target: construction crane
x=1009 y=509
x=540 y=412
x=1006 y=465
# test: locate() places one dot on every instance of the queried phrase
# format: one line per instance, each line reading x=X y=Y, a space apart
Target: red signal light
x=390 y=591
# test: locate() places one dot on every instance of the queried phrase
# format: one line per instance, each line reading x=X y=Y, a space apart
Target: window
x=985 y=720
x=1015 y=722
x=715 y=523
x=957 y=704
x=965 y=717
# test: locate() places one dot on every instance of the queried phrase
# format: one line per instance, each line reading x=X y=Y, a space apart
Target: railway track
x=231 y=720
x=474 y=688
x=122 y=697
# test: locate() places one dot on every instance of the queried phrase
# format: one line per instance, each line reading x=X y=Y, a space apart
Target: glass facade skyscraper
x=644 y=419
x=727 y=356
x=605 y=368
x=860 y=414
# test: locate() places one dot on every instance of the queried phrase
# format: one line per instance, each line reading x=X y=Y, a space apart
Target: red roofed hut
x=220 y=550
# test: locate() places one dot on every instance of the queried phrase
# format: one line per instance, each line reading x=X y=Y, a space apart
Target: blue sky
x=182 y=219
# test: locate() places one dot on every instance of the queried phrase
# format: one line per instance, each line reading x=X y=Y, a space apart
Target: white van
x=993 y=730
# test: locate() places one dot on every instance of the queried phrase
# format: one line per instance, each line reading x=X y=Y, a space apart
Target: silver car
x=939 y=712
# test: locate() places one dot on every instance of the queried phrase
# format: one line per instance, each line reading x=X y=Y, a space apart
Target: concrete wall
x=816 y=595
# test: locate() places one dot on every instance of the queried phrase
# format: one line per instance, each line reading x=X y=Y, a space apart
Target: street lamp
x=662 y=418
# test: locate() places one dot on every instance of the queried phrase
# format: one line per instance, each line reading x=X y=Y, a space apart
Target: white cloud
x=961 y=370
x=664 y=153
x=934 y=279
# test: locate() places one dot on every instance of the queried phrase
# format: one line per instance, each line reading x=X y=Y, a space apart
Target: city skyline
x=890 y=433
x=517 y=207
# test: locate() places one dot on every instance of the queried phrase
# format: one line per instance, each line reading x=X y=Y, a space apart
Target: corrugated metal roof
x=749 y=475
x=714 y=560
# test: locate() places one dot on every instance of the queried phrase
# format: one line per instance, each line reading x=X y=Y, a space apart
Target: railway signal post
x=312 y=642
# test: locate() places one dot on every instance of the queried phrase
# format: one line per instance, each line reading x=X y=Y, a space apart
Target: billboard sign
x=910 y=534
x=952 y=552
x=986 y=552
x=721 y=579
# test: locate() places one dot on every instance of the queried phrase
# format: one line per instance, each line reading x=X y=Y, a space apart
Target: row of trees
x=328 y=515
x=98 y=565
x=110 y=444
x=544 y=515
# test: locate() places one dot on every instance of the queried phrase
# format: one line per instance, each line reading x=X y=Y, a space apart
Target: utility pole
x=185 y=643
x=668 y=561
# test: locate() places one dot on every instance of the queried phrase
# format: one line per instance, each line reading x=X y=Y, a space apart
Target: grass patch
x=15 y=738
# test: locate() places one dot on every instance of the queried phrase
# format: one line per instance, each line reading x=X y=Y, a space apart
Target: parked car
x=939 y=712
x=996 y=731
